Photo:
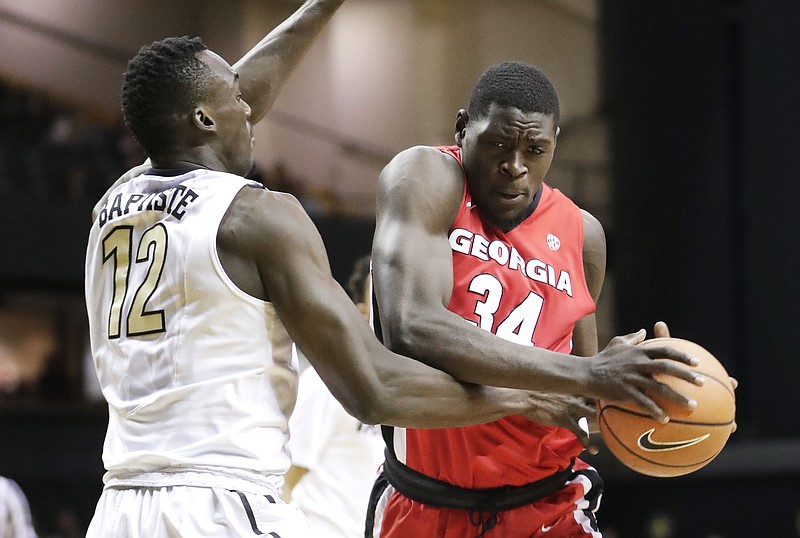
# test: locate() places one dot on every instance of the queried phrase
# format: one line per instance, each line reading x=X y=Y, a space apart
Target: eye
x=536 y=150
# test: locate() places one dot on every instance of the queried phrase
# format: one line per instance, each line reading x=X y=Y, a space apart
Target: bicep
x=315 y=310
x=411 y=256
x=594 y=254
x=584 y=335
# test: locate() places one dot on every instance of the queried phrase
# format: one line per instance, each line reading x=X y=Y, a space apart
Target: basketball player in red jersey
x=484 y=271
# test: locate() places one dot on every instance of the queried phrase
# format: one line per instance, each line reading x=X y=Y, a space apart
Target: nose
x=514 y=165
x=247 y=109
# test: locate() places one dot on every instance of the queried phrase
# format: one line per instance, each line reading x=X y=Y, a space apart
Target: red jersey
x=526 y=285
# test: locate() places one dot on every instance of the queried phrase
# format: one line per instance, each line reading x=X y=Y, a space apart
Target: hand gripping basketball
x=692 y=437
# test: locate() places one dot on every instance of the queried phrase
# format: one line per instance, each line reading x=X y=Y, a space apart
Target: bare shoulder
x=262 y=219
x=593 y=233
x=421 y=183
x=418 y=164
x=266 y=240
x=594 y=253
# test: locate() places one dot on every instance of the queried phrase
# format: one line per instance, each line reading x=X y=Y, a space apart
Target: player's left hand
x=575 y=413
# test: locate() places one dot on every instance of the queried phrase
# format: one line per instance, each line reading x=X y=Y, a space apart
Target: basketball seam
x=724 y=385
x=671 y=421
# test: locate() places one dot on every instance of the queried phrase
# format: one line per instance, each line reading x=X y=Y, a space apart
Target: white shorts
x=192 y=512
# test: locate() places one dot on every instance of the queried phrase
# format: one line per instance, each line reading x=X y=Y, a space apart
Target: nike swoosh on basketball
x=646 y=442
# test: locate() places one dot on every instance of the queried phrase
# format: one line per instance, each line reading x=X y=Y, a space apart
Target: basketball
x=691 y=439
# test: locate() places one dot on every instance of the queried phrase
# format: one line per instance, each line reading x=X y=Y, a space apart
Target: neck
x=194 y=156
x=178 y=164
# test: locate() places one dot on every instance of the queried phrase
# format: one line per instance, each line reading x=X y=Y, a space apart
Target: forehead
x=504 y=119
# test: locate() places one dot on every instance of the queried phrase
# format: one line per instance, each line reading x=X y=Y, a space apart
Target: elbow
x=408 y=336
x=372 y=409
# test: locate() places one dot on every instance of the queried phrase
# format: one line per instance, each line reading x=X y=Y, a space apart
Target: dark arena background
x=685 y=145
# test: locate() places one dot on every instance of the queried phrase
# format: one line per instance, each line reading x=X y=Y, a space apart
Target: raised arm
x=265 y=68
x=372 y=383
x=418 y=195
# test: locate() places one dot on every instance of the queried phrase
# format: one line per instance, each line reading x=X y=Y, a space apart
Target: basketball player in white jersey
x=197 y=281
x=15 y=513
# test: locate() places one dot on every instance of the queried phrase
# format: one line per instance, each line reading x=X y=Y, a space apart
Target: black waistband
x=427 y=490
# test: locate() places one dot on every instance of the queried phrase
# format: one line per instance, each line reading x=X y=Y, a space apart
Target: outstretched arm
x=372 y=383
x=265 y=68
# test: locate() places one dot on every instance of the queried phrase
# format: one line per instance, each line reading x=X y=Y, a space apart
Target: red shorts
x=568 y=513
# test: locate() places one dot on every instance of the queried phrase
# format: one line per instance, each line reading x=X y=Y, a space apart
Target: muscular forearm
x=264 y=69
x=433 y=399
x=445 y=341
x=380 y=387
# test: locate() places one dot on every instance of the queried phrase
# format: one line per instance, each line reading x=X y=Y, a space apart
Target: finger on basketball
x=661 y=330
x=651 y=408
x=667 y=367
x=666 y=391
x=667 y=352
x=633 y=338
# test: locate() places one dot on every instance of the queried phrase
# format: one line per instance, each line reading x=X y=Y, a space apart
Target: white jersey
x=197 y=374
x=15 y=514
x=343 y=457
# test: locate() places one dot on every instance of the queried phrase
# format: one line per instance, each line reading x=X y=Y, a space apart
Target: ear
x=462 y=118
x=555 y=138
x=202 y=120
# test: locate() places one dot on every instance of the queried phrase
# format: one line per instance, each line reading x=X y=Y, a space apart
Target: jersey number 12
x=152 y=250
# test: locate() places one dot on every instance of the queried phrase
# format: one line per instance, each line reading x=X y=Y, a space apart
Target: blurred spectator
x=28 y=342
x=50 y=150
x=54 y=151
x=15 y=514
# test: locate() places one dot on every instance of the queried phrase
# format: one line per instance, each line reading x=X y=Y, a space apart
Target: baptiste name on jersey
x=472 y=244
x=172 y=201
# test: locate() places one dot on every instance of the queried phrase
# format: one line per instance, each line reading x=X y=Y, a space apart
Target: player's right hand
x=624 y=371
x=661 y=330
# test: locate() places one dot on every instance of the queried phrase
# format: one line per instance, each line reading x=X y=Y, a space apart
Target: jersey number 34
x=520 y=323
